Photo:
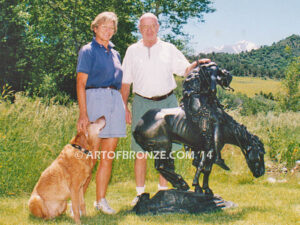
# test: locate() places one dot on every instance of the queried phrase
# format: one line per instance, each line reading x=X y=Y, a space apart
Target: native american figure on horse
x=203 y=110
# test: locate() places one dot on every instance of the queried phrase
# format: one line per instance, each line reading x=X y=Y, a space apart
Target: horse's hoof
x=221 y=163
x=208 y=192
x=185 y=187
x=198 y=189
x=182 y=186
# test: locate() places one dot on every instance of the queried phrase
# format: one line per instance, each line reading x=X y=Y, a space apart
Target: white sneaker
x=135 y=200
x=104 y=207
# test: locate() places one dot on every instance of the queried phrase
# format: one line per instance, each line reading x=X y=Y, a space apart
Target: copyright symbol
x=78 y=155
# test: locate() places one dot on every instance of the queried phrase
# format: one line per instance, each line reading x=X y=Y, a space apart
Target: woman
x=99 y=77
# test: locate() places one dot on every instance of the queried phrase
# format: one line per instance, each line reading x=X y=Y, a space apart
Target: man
x=149 y=66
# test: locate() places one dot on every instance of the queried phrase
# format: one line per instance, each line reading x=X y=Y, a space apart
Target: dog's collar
x=85 y=151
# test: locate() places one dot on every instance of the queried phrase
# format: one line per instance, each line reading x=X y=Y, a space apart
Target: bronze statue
x=202 y=125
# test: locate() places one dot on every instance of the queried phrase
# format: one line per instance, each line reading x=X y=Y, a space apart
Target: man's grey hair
x=148 y=15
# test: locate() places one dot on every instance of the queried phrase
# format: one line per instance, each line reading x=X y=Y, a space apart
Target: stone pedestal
x=175 y=201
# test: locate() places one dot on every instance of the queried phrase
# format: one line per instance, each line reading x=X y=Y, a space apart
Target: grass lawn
x=259 y=202
x=252 y=85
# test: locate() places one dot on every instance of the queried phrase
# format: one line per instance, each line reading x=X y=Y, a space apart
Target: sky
x=259 y=21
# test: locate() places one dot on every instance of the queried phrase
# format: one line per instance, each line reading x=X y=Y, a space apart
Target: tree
x=290 y=99
x=173 y=15
x=40 y=40
x=13 y=41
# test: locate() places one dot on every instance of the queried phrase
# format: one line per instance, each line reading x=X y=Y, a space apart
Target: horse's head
x=213 y=75
x=224 y=78
x=202 y=81
x=254 y=154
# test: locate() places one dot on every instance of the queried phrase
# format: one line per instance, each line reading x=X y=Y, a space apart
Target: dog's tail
x=37 y=207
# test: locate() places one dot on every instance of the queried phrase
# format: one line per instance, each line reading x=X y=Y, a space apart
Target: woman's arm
x=81 y=96
x=125 y=90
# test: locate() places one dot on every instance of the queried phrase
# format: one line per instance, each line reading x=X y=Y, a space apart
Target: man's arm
x=125 y=90
x=194 y=64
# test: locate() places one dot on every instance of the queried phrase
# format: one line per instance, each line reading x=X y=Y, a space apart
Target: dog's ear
x=95 y=127
x=80 y=139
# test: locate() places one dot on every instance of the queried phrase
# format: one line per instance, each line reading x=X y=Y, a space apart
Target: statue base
x=175 y=201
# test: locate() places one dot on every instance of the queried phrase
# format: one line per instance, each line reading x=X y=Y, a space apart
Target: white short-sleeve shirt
x=150 y=70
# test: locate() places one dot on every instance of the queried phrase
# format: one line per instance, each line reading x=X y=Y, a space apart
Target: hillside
x=267 y=61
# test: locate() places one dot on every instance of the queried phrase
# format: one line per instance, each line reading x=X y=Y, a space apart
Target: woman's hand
x=82 y=124
x=125 y=90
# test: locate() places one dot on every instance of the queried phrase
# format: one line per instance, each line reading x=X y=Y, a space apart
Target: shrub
x=245 y=105
x=284 y=145
x=279 y=131
x=6 y=94
x=289 y=99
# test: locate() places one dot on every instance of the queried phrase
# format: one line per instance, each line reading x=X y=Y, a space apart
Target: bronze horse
x=200 y=124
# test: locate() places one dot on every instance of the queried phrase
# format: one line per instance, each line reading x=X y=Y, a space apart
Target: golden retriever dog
x=67 y=177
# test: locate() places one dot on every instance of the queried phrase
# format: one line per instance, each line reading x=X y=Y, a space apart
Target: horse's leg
x=210 y=158
x=218 y=147
x=209 y=154
x=198 y=163
x=165 y=165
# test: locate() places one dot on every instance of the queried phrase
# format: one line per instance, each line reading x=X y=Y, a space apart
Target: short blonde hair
x=103 y=17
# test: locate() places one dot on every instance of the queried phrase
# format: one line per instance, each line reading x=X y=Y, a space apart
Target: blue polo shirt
x=102 y=66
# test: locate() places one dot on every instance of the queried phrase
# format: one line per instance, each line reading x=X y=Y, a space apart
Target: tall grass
x=32 y=134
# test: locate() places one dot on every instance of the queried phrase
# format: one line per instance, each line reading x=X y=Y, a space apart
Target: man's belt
x=157 y=98
x=110 y=87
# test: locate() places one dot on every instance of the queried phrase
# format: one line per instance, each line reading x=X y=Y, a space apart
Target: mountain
x=267 y=61
x=241 y=46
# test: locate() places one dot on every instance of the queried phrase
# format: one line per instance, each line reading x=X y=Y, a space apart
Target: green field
x=246 y=85
x=254 y=85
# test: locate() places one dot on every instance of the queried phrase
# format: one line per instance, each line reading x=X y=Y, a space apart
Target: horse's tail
x=137 y=133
